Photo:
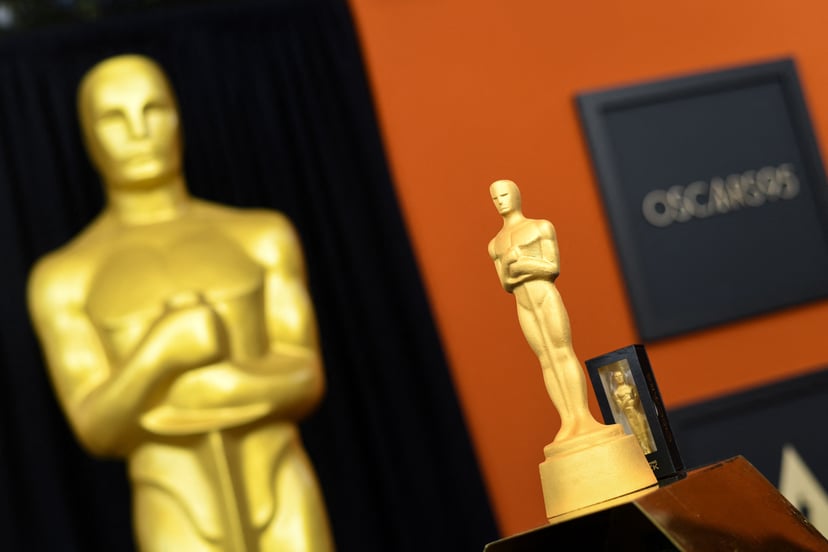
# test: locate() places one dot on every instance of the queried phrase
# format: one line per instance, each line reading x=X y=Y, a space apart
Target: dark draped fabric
x=276 y=113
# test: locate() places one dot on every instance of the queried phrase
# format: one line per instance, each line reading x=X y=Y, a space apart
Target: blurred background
x=453 y=95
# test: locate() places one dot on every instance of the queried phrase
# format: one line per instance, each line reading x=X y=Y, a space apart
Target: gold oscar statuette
x=179 y=335
x=626 y=401
x=588 y=465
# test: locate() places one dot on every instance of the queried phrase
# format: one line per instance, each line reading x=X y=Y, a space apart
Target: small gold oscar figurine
x=588 y=463
x=179 y=335
x=628 y=403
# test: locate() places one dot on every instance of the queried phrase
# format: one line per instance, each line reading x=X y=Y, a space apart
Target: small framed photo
x=628 y=395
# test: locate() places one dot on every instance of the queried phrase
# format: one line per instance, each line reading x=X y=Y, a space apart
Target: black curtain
x=276 y=113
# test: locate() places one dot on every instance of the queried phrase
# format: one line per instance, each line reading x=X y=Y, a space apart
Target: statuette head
x=130 y=122
x=505 y=196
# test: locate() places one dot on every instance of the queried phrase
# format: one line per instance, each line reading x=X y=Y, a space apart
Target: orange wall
x=470 y=91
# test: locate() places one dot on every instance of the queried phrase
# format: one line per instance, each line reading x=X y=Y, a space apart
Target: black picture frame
x=759 y=423
x=654 y=432
x=656 y=147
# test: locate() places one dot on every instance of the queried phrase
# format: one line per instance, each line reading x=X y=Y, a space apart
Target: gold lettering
x=766 y=182
x=734 y=192
x=691 y=199
x=751 y=188
x=788 y=182
x=675 y=199
x=753 y=195
x=655 y=210
x=719 y=201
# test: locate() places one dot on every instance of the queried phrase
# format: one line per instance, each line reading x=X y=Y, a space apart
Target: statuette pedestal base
x=598 y=470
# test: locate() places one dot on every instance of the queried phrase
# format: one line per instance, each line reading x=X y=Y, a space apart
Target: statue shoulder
x=272 y=227
x=270 y=220
x=269 y=236
x=276 y=235
x=546 y=225
x=242 y=217
x=492 y=251
x=61 y=277
x=57 y=280
x=546 y=228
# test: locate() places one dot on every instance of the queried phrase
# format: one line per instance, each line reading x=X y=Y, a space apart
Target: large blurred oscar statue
x=179 y=335
x=588 y=464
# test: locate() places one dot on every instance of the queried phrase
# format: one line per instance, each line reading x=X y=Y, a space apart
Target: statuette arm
x=540 y=269
x=103 y=400
x=287 y=377
x=292 y=370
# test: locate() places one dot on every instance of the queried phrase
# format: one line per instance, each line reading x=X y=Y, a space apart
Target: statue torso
x=135 y=272
x=130 y=274
x=525 y=236
x=145 y=269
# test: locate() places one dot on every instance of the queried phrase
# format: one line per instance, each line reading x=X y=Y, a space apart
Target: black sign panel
x=715 y=192
x=779 y=428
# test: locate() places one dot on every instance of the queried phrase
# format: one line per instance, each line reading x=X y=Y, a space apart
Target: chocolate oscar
x=588 y=464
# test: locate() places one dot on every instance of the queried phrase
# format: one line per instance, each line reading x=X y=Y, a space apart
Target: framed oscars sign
x=715 y=194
